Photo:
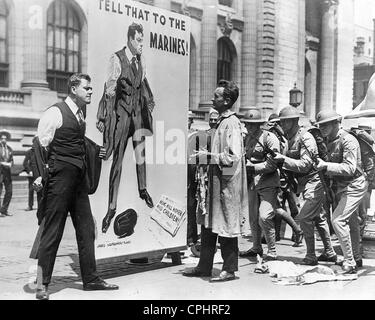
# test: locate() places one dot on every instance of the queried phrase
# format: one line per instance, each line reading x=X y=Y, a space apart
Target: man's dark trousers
x=67 y=192
x=228 y=247
x=7 y=181
x=128 y=125
x=31 y=192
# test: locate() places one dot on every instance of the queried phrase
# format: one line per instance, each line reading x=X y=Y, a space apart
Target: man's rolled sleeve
x=50 y=121
x=114 y=72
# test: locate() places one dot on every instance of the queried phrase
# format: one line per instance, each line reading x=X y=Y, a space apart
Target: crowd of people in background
x=317 y=179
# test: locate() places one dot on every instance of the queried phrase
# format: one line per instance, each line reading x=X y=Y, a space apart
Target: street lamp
x=295 y=96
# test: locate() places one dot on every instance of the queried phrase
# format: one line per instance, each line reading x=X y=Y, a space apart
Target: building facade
x=265 y=46
x=364 y=61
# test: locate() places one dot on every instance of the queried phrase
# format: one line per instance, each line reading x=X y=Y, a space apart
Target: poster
x=139 y=64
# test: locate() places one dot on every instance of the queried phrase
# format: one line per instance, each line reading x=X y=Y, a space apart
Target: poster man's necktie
x=134 y=63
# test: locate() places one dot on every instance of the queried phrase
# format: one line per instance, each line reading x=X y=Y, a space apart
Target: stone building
x=266 y=46
x=364 y=61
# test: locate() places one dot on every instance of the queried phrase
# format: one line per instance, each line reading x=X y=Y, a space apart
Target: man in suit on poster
x=125 y=111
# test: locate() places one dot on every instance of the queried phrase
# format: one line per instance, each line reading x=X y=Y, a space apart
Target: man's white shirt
x=52 y=120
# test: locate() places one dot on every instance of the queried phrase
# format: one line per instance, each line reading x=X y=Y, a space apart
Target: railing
x=11 y=96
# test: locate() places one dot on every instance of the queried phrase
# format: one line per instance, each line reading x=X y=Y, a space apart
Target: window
x=224 y=60
x=4 y=65
x=63 y=44
x=227 y=3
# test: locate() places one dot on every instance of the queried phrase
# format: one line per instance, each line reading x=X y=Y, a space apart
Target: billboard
x=138 y=58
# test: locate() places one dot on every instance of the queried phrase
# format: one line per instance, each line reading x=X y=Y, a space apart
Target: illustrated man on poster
x=125 y=111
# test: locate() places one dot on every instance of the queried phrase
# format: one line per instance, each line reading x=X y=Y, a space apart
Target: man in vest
x=6 y=162
x=61 y=131
x=349 y=185
x=299 y=159
x=125 y=111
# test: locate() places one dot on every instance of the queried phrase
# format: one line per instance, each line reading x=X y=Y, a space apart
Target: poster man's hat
x=124 y=223
x=5 y=132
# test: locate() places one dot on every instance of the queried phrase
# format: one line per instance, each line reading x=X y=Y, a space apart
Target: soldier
x=365 y=203
x=302 y=147
x=349 y=185
x=286 y=192
x=263 y=184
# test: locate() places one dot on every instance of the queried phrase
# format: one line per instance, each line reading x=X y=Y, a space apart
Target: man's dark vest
x=68 y=144
x=128 y=87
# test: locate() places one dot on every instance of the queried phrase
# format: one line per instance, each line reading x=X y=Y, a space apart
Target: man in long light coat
x=227 y=189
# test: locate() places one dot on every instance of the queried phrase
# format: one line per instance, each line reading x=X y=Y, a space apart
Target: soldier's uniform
x=298 y=159
x=263 y=187
x=350 y=186
x=286 y=192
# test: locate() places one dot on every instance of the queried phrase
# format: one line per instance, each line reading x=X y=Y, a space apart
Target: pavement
x=159 y=279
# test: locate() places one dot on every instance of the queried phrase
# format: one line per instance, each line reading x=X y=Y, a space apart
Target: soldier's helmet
x=253 y=116
x=327 y=116
x=124 y=223
x=289 y=113
x=273 y=118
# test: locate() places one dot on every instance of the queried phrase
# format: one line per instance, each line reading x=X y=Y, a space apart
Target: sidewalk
x=158 y=279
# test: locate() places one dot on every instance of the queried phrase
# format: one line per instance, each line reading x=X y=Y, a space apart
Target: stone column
x=249 y=54
x=327 y=55
x=208 y=70
x=35 y=41
x=164 y=4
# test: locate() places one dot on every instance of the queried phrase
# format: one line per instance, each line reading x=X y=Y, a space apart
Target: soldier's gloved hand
x=321 y=165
